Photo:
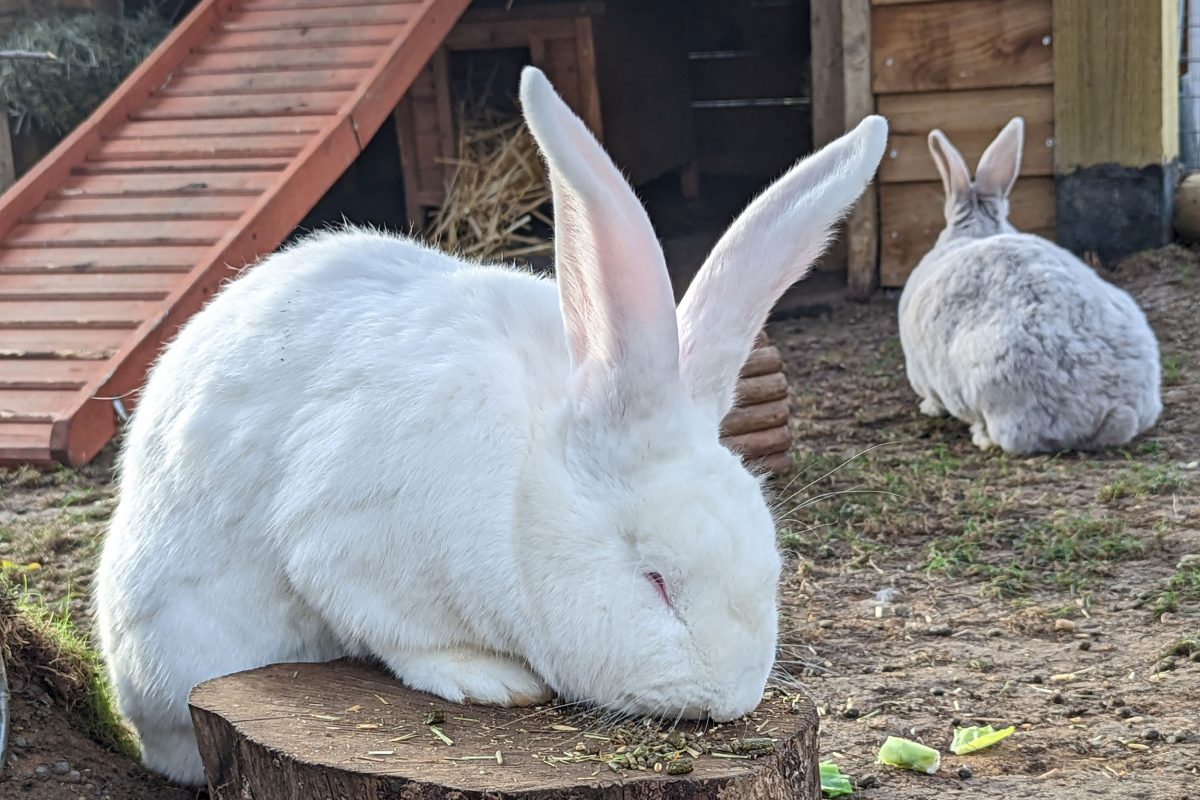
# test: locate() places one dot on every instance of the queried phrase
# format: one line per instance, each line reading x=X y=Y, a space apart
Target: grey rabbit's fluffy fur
x=1016 y=336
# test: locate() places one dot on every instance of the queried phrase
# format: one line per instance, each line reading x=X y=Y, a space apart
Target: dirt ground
x=928 y=584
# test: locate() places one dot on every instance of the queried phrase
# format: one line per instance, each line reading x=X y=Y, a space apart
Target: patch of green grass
x=1150 y=447
x=1184 y=647
x=888 y=359
x=1077 y=540
x=48 y=633
x=1182 y=590
x=937 y=460
x=64 y=541
x=1067 y=550
x=1140 y=481
x=834 y=506
x=1172 y=368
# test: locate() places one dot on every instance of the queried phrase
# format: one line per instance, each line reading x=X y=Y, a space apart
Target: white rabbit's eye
x=661 y=586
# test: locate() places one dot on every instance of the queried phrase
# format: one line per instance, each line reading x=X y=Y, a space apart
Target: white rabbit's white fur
x=366 y=447
x=1015 y=335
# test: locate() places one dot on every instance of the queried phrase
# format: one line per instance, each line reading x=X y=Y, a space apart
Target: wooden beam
x=971 y=119
x=828 y=109
x=8 y=167
x=863 y=225
x=965 y=44
x=1116 y=67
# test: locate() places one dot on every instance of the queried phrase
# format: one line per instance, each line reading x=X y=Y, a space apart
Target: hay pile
x=93 y=52
x=496 y=206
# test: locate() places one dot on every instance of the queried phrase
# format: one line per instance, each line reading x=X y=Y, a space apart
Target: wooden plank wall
x=967 y=67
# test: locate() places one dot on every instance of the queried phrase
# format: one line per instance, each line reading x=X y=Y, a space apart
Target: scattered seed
x=566 y=728
x=368 y=726
x=434 y=718
x=382 y=753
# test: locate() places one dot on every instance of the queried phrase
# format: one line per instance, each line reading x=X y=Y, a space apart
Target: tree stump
x=757 y=427
x=343 y=731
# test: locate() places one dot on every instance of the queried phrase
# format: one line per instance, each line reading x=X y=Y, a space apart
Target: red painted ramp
x=207 y=156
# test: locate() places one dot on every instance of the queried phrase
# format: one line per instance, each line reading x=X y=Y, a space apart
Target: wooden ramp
x=206 y=157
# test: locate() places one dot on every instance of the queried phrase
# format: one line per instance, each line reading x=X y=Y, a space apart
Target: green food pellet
x=681 y=767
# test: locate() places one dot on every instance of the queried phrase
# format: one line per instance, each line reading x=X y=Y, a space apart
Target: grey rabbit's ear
x=1001 y=162
x=956 y=179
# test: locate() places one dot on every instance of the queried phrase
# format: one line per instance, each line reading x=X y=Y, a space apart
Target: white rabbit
x=1015 y=335
x=498 y=486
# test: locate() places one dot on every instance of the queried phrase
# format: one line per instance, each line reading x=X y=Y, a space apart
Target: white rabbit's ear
x=616 y=296
x=768 y=248
x=956 y=178
x=1001 y=162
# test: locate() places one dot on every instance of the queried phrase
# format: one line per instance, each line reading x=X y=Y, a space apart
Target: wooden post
x=344 y=730
x=862 y=258
x=828 y=109
x=8 y=167
x=1116 y=109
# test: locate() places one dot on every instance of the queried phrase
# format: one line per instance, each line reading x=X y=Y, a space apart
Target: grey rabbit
x=1016 y=336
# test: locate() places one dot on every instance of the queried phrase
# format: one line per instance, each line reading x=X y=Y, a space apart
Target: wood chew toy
x=344 y=730
x=757 y=427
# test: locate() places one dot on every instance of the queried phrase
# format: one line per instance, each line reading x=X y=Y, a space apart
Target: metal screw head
x=1046 y=40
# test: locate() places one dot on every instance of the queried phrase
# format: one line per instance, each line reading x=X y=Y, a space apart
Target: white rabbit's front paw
x=980 y=438
x=462 y=674
x=932 y=408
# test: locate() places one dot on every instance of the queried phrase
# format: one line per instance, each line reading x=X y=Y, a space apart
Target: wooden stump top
x=344 y=729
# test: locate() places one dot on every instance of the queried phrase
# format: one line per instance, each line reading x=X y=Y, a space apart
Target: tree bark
x=345 y=730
